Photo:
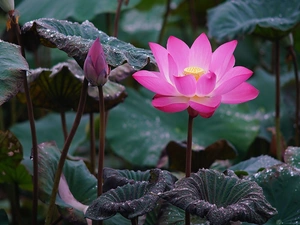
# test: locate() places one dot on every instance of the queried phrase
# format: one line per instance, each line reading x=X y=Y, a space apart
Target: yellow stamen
x=195 y=71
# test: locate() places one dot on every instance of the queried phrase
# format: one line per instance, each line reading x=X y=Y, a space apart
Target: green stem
x=92 y=144
x=277 y=101
x=16 y=28
x=188 y=162
x=14 y=198
x=294 y=58
x=64 y=152
x=101 y=139
x=117 y=18
x=165 y=19
x=193 y=14
x=134 y=221
x=64 y=124
x=2 y=125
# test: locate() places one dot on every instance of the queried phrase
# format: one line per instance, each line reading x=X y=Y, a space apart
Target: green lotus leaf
x=114 y=178
x=292 y=156
x=76 y=39
x=59 y=89
x=33 y=9
x=220 y=198
x=12 y=67
x=81 y=183
x=11 y=154
x=145 y=131
x=281 y=186
x=271 y=19
x=254 y=164
x=3 y=217
x=201 y=157
x=171 y=214
x=130 y=200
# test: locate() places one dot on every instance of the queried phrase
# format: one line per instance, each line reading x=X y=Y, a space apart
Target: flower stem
x=16 y=28
x=101 y=139
x=163 y=26
x=92 y=144
x=64 y=124
x=294 y=58
x=117 y=18
x=134 y=221
x=277 y=101
x=188 y=162
x=64 y=152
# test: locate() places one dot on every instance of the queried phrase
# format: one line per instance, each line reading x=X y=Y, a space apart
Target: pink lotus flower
x=196 y=78
x=95 y=67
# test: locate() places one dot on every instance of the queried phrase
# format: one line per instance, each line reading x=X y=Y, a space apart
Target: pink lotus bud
x=95 y=67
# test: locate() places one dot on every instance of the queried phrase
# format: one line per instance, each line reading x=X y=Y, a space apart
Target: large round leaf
x=130 y=200
x=76 y=39
x=263 y=107
x=48 y=128
x=272 y=19
x=254 y=164
x=34 y=9
x=59 y=89
x=11 y=154
x=12 y=69
x=220 y=198
x=138 y=132
x=201 y=157
x=281 y=186
x=81 y=183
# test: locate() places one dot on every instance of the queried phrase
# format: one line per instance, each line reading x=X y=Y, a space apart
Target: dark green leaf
x=116 y=220
x=281 y=186
x=113 y=178
x=48 y=128
x=59 y=89
x=175 y=216
x=252 y=165
x=272 y=19
x=11 y=154
x=292 y=156
x=34 y=9
x=201 y=157
x=81 y=183
x=76 y=39
x=130 y=200
x=12 y=68
x=144 y=131
x=3 y=217
x=263 y=107
x=220 y=198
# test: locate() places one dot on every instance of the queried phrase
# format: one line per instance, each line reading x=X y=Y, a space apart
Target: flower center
x=194 y=70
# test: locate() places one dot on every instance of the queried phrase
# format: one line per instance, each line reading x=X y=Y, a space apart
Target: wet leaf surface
x=82 y=184
x=281 y=186
x=254 y=164
x=201 y=157
x=220 y=198
x=12 y=70
x=75 y=39
x=271 y=19
x=59 y=89
x=11 y=155
x=130 y=200
x=143 y=131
